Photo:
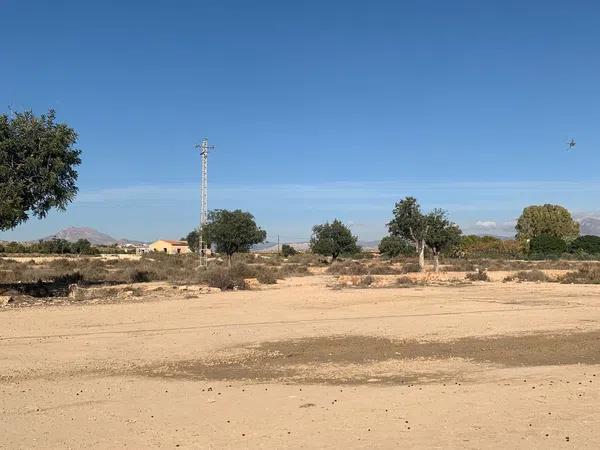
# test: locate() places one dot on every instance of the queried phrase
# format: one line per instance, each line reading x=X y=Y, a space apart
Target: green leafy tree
x=473 y=246
x=586 y=244
x=83 y=247
x=192 y=240
x=411 y=224
x=392 y=246
x=232 y=231
x=333 y=239
x=441 y=234
x=553 y=220
x=37 y=166
x=544 y=245
x=288 y=250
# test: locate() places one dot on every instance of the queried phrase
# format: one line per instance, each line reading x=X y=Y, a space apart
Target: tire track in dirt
x=289 y=322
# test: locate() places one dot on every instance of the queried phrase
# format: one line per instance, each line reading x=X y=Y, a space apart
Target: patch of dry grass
x=528 y=276
x=587 y=274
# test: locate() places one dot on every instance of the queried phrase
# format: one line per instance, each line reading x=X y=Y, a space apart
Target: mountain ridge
x=95 y=237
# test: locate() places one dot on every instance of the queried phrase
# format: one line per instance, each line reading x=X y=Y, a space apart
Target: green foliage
x=393 y=246
x=192 y=240
x=547 y=245
x=433 y=230
x=37 y=167
x=408 y=222
x=441 y=233
x=333 y=239
x=553 y=220
x=51 y=247
x=233 y=231
x=288 y=250
x=586 y=244
x=472 y=246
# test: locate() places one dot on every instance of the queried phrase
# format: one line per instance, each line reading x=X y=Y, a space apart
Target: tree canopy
x=288 y=250
x=192 y=240
x=333 y=239
x=232 y=231
x=37 y=166
x=392 y=246
x=441 y=233
x=553 y=220
x=586 y=244
x=544 y=245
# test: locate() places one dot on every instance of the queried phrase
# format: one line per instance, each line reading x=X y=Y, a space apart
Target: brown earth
x=298 y=364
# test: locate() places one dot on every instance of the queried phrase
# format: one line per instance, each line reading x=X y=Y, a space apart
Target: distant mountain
x=589 y=225
x=73 y=234
x=270 y=247
x=369 y=245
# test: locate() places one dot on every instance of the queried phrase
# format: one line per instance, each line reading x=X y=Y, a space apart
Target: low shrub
x=288 y=250
x=528 y=275
x=478 y=275
x=366 y=281
x=141 y=276
x=266 y=277
x=587 y=274
x=382 y=269
x=347 y=268
x=293 y=270
x=411 y=268
x=223 y=278
x=406 y=282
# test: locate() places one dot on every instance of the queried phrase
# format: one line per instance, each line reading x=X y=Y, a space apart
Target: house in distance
x=170 y=247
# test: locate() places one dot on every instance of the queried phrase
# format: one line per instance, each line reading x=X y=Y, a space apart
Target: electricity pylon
x=202 y=247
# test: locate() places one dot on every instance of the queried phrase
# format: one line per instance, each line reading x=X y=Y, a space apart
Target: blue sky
x=318 y=109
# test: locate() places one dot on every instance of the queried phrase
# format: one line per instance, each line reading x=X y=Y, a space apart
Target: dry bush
x=223 y=278
x=528 y=275
x=308 y=259
x=405 y=282
x=347 y=268
x=358 y=268
x=383 y=269
x=141 y=276
x=460 y=265
x=293 y=270
x=411 y=268
x=587 y=274
x=366 y=281
x=266 y=277
x=478 y=275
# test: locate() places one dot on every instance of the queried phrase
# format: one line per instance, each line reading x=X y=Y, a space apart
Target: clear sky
x=318 y=109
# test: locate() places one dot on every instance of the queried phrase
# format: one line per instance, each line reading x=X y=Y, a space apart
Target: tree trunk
x=422 y=255
x=436 y=262
x=229 y=261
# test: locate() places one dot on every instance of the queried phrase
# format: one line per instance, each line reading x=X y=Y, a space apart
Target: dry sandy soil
x=298 y=364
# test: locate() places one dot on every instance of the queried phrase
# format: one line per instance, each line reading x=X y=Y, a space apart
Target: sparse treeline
x=542 y=232
x=51 y=247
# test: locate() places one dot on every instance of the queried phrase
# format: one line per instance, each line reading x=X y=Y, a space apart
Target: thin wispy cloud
x=350 y=191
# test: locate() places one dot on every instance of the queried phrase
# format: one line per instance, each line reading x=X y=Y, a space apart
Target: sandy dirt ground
x=302 y=365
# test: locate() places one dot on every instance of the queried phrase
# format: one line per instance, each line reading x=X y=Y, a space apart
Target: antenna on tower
x=202 y=247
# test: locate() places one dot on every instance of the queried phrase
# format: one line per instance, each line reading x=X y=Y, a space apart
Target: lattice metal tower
x=202 y=247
